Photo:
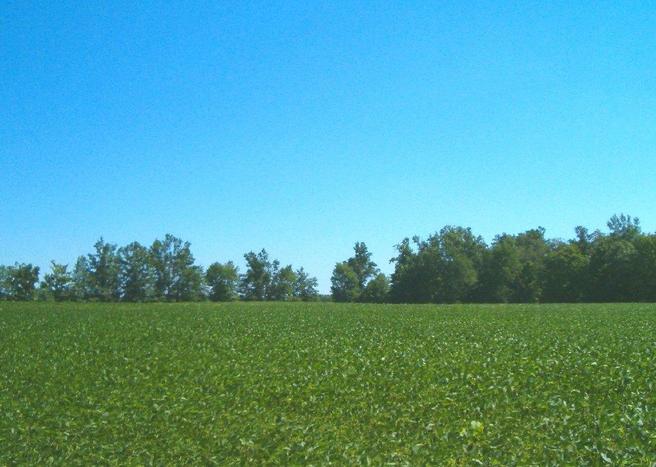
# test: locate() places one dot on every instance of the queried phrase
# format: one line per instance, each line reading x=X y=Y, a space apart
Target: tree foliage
x=58 y=283
x=222 y=280
x=18 y=282
x=165 y=271
x=176 y=278
x=305 y=286
x=350 y=277
x=137 y=274
x=267 y=280
x=452 y=265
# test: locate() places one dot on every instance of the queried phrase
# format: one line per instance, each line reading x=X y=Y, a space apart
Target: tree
x=256 y=281
x=82 y=286
x=345 y=283
x=513 y=268
x=460 y=257
x=407 y=281
x=566 y=274
x=376 y=290
x=19 y=281
x=624 y=226
x=584 y=239
x=305 y=287
x=137 y=277
x=644 y=268
x=4 y=282
x=282 y=283
x=416 y=273
x=222 y=280
x=266 y=280
x=533 y=250
x=58 y=283
x=501 y=268
x=104 y=270
x=612 y=271
x=189 y=283
x=443 y=268
x=362 y=264
x=351 y=276
x=176 y=278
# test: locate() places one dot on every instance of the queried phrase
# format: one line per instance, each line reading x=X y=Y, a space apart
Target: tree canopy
x=165 y=271
x=452 y=265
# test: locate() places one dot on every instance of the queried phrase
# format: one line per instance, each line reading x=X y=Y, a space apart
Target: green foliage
x=137 y=275
x=361 y=264
x=443 y=268
x=176 y=277
x=624 y=226
x=450 y=266
x=282 y=283
x=18 y=282
x=322 y=383
x=376 y=290
x=566 y=267
x=255 y=283
x=350 y=277
x=58 y=283
x=305 y=286
x=456 y=266
x=222 y=280
x=4 y=282
x=611 y=269
x=104 y=269
x=266 y=280
x=345 y=284
x=644 y=269
x=82 y=287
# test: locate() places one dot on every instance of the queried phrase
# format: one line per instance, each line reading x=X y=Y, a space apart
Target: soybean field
x=324 y=383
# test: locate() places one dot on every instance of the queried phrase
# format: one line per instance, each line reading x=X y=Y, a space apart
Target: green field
x=325 y=383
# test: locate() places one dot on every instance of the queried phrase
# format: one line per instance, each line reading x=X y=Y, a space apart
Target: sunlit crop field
x=325 y=383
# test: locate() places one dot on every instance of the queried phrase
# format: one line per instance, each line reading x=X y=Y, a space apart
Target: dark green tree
x=460 y=257
x=406 y=281
x=104 y=269
x=644 y=268
x=305 y=287
x=376 y=290
x=566 y=274
x=345 y=283
x=444 y=268
x=362 y=264
x=533 y=250
x=612 y=271
x=137 y=277
x=501 y=268
x=282 y=283
x=4 y=282
x=255 y=283
x=176 y=278
x=19 y=281
x=624 y=226
x=222 y=280
x=58 y=283
x=359 y=268
x=82 y=284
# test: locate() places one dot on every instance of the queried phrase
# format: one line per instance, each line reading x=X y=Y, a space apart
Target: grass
x=323 y=383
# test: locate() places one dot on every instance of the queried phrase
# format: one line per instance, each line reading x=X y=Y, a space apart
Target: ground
x=327 y=383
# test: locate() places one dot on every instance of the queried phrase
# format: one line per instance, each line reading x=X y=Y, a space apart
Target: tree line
x=165 y=271
x=450 y=266
x=455 y=265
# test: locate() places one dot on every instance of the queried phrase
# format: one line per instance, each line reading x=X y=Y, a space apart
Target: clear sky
x=305 y=126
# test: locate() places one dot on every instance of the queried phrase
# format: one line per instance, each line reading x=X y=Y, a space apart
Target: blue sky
x=302 y=127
